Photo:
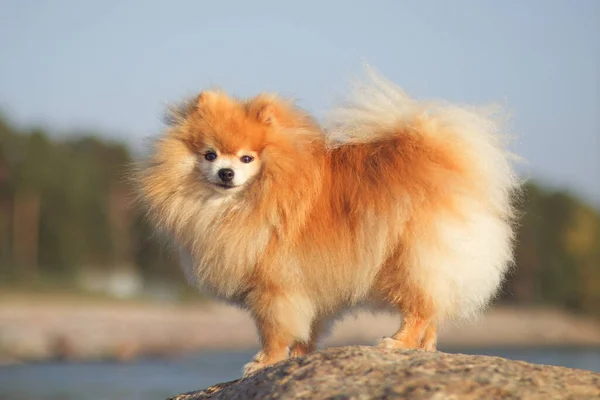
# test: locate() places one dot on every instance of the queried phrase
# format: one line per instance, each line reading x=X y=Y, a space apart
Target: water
x=157 y=379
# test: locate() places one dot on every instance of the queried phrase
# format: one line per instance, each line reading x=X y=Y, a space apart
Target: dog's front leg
x=281 y=319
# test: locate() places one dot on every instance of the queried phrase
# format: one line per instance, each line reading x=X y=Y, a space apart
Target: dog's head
x=230 y=142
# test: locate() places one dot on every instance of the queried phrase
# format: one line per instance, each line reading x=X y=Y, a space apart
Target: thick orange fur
x=324 y=226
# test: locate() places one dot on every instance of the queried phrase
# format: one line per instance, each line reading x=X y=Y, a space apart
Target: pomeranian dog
x=398 y=204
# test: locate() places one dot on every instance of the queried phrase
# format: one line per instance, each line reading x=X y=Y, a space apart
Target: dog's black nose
x=226 y=174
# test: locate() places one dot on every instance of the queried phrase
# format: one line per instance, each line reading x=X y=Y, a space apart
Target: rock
x=361 y=372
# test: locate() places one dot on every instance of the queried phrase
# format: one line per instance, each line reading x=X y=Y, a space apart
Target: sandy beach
x=38 y=328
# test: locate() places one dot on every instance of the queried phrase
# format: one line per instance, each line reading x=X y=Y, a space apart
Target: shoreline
x=41 y=328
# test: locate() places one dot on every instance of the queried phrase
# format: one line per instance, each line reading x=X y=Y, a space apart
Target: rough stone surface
x=361 y=372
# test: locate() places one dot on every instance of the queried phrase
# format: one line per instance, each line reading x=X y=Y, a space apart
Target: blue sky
x=111 y=66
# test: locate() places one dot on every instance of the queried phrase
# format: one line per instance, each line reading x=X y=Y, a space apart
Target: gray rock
x=361 y=372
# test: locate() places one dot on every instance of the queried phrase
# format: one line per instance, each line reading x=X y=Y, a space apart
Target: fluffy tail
x=460 y=258
x=373 y=110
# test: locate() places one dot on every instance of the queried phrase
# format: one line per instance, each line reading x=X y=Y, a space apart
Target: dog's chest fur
x=227 y=244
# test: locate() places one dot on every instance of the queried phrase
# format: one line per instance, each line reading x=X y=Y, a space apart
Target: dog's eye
x=247 y=159
x=210 y=156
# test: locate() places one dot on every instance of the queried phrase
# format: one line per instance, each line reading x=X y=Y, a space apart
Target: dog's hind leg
x=418 y=329
x=429 y=340
x=412 y=334
x=395 y=286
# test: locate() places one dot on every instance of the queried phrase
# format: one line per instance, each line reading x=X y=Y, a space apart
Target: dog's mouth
x=225 y=186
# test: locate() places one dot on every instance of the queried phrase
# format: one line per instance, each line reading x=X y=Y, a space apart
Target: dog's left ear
x=263 y=109
x=208 y=97
x=266 y=114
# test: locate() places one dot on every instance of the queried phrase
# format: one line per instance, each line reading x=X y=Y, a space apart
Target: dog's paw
x=252 y=367
x=429 y=346
x=391 y=343
x=301 y=349
x=429 y=343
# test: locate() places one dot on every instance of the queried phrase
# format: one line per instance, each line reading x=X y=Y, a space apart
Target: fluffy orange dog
x=402 y=205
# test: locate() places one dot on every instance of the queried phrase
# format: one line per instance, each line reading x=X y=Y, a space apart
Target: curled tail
x=459 y=254
x=378 y=109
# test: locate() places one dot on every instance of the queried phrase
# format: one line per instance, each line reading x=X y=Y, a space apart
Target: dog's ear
x=207 y=98
x=264 y=108
x=266 y=114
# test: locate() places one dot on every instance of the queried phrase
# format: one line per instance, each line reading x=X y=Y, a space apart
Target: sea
x=147 y=379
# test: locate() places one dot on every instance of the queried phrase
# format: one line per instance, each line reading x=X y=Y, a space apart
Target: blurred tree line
x=65 y=209
x=558 y=252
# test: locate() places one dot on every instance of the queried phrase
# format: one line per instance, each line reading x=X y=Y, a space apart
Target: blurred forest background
x=66 y=221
